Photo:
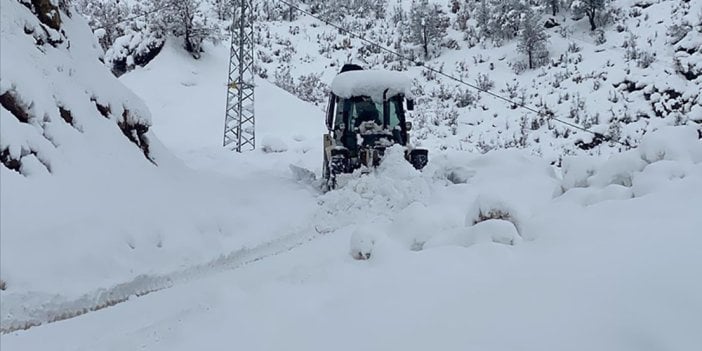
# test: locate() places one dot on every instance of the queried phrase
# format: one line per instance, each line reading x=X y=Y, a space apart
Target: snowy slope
x=106 y=222
x=595 y=85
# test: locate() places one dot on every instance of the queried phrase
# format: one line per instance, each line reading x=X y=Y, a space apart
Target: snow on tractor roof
x=371 y=83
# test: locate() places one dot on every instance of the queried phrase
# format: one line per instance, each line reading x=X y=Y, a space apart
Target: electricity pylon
x=239 y=123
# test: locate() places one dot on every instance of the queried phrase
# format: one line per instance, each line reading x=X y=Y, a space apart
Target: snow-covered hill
x=635 y=76
x=639 y=70
x=90 y=211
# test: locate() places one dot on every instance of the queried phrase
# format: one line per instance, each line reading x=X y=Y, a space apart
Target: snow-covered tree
x=185 y=18
x=589 y=8
x=335 y=10
x=380 y=8
x=290 y=13
x=272 y=10
x=463 y=10
x=532 y=39
x=505 y=16
x=105 y=16
x=482 y=18
x=428 y=24
x=552 y=5
x=398 y=13
x=222 y=9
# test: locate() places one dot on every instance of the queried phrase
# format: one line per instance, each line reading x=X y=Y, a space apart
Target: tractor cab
x=365 y=115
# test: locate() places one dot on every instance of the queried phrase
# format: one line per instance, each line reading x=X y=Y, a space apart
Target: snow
x=616 y=275
x=106 y=223
x=372 y=83
x=495 y=251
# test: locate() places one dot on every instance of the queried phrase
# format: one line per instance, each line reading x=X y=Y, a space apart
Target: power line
x=549 y=115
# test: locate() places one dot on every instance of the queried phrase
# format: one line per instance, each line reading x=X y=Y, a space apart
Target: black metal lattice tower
x=239 y=123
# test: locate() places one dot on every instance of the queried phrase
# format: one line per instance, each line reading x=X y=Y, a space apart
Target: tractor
x=366 y=115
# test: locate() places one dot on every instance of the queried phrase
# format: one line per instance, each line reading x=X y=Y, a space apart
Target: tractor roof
x=371 y=83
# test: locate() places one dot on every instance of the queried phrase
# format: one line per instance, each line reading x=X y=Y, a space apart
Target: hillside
x=598 y=82
x=639 y=70
x=94 y=208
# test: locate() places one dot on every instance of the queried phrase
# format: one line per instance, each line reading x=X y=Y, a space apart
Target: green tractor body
x=366 y=114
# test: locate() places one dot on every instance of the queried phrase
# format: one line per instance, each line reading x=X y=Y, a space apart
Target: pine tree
x=532 y=38
x=505 y=17
x=589 y=8
x=482 y=18
x=428 y=24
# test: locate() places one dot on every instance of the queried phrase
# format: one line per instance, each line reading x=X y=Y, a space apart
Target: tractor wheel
x=329 y=177
x=419 y=158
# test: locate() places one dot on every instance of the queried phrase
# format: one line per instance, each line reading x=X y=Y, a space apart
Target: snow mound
x=488 y=207
x=497 y=231
x=394 y=185
x=362 y=242
x=672 y=143
x=665 y=156
x=271 y=144
x=371 y=83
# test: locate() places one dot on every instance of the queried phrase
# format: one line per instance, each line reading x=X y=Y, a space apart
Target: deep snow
x=500 y=251
x=605 y=256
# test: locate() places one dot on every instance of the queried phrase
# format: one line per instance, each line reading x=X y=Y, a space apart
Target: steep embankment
x=92 y=204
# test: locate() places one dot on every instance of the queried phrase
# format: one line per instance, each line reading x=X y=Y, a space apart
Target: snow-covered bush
x=489 y=207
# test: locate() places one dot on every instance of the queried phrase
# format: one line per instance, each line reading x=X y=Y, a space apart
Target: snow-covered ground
x=600 y=271
x=106 y=223
x=600 y=255
x=495 y=251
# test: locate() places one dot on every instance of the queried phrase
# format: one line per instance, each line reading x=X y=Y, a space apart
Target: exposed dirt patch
x=9 y=162
x=66 y=115
x=105 y=111
x=120 y=67
x=10 y=102
x=47 y=13
x=136 y=133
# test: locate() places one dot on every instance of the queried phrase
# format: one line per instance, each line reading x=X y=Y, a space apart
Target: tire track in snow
x=374 y=194
x=22 y=317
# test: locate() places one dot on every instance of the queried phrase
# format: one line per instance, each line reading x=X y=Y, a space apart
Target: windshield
x=362 y=109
